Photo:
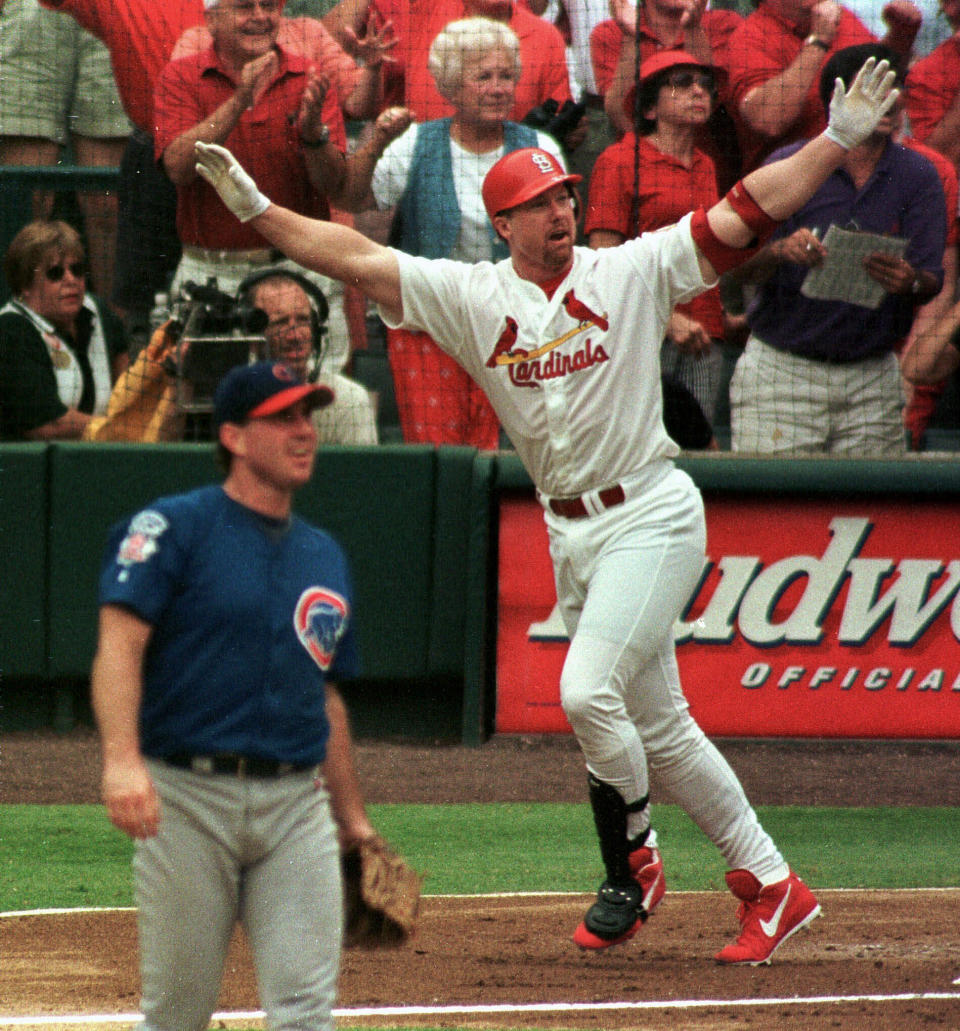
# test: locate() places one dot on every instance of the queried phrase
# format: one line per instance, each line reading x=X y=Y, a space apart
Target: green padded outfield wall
x=23 y=560
x=403 y=514
x=380 y=503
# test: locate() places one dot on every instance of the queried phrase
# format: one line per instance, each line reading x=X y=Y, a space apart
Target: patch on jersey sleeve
x=320 y=620
x=140 y=542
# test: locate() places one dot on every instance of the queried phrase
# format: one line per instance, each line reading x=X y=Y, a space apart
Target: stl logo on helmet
x=320 y=619
x=542 y=162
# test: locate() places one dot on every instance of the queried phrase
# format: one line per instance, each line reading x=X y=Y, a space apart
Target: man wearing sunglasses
x=60 y=350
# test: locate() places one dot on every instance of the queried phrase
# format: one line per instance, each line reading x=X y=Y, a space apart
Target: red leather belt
x=575 y=508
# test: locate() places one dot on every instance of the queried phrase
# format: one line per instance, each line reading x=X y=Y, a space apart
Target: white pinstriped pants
x=783 y=404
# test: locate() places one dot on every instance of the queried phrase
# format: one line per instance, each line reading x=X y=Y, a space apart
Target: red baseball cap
x=662 y=61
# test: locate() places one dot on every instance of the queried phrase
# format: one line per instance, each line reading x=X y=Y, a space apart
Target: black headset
x=319 y=308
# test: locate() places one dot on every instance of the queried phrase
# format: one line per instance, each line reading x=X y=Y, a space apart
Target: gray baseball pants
x=260 y=851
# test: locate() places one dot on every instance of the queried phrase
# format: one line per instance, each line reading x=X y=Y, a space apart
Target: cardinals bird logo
x=320 y=619
x=505 y=351
x=504 y=346
x=579 y=311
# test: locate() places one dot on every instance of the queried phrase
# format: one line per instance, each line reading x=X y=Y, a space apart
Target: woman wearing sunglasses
x=60 y=349
x=651 y=178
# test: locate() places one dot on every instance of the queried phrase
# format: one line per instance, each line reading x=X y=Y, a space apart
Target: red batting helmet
x=520 y=176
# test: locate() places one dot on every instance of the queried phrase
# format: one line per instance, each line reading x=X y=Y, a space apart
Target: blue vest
x=428 y=211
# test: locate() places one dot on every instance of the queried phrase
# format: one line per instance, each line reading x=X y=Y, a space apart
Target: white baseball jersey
x=574 y=379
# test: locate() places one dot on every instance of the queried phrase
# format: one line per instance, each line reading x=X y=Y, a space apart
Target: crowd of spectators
x=386 y=114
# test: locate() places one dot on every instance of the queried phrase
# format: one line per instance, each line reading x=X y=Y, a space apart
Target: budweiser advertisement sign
x=811 y=619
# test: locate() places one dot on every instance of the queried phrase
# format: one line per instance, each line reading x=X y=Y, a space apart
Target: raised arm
x=772 y=107
x=771 y=193
x=327 y=247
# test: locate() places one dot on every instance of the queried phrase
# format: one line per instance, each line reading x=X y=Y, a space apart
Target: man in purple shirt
x=822 y=375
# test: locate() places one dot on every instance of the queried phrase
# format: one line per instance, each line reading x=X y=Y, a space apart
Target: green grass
x=52 y=856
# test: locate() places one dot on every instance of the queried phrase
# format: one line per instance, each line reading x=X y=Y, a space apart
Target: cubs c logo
x=543 y=163
x=320 y=619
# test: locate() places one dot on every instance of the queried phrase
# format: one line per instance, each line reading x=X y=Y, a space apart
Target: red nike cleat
x=768 y=916
x=619 y=911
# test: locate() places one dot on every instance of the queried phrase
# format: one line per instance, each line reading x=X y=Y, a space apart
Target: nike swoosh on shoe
x=771 y=927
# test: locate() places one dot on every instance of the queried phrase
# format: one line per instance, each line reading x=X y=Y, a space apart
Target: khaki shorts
x=56 y=80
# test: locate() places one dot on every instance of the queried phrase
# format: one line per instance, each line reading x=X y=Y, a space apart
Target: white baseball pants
x=623 y=578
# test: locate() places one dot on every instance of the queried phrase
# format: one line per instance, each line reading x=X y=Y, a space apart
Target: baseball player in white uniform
x=565 y=342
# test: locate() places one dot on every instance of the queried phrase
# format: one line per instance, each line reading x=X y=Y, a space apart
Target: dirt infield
x=884 y=959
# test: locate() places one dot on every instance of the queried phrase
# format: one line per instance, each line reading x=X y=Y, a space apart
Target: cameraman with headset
x=277 y=313
x=296 y=313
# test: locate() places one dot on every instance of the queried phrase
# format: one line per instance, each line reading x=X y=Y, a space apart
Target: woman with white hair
x=433 y=174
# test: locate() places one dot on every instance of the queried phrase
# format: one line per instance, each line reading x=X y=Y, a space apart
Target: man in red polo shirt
x=141 y=36
x=775 y=60
x=933 y=91
x=271 y=105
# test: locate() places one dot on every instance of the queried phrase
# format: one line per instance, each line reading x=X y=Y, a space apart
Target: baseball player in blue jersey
x=226 y=749
x=565 y=342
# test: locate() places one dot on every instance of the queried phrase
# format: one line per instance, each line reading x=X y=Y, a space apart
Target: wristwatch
x=815 y=41
x=323 y=136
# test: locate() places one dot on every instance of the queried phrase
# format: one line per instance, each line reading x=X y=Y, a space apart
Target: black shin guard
x=610 y=813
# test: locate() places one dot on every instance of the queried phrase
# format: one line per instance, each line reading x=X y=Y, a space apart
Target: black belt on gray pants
x=235 y=765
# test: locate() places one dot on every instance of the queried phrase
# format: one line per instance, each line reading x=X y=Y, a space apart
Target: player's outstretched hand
x=855 y=114
x=236 y=189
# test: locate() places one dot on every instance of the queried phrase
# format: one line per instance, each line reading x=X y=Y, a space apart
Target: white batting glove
x=236 y=189
x=855 y=114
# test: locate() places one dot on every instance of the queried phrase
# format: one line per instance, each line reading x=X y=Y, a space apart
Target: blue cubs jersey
x=249 y=617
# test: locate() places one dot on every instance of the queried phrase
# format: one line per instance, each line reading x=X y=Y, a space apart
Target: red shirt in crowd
x=762 y=48
x=948 y=176
x=265 y=141
x=932 y=85
x=666 y=191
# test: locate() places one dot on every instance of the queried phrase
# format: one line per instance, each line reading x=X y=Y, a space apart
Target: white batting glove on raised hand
x=855 y=114
x=236 y=189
